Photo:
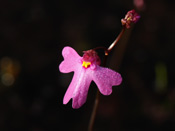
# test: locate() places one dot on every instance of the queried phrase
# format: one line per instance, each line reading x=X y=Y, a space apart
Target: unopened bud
x=131 y=17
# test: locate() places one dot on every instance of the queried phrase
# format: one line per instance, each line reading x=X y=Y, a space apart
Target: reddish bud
x=131 y=17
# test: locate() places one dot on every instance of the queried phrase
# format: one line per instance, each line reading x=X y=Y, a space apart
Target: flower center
x=90 y=57
x=129 y=18
x=86 y=64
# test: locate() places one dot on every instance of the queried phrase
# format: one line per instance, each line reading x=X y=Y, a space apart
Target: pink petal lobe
x=78 y=88
x=71 y=59
x=106 y=78
x=69 y=93
x=81 y=91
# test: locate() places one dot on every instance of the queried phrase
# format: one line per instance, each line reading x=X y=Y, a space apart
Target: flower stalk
x=97 y=99
x=130 y=18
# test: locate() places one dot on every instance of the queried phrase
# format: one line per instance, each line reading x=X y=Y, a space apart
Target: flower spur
x=86 y=69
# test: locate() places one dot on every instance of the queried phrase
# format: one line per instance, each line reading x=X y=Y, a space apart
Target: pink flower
x=85 y=70
x=131 y=17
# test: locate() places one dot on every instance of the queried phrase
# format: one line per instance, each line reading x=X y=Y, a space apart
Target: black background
x=33 y=34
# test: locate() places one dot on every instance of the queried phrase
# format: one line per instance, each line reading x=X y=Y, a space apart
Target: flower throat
x=90 y=57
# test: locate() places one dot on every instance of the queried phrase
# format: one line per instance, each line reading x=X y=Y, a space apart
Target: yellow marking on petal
x=86 y=64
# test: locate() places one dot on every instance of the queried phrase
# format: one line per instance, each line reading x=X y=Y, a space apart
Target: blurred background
x=32 y=36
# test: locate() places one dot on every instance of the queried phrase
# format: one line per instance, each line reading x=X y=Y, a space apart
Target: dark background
x=32 y=36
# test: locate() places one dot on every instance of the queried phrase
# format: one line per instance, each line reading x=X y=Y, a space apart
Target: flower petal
x=78 y=89
x=69 y=93
x=106 y=78
x=71 y=59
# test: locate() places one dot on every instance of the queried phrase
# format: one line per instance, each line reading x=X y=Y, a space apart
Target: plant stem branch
x=93 y=115
x=95 y=107
x=116 y=40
